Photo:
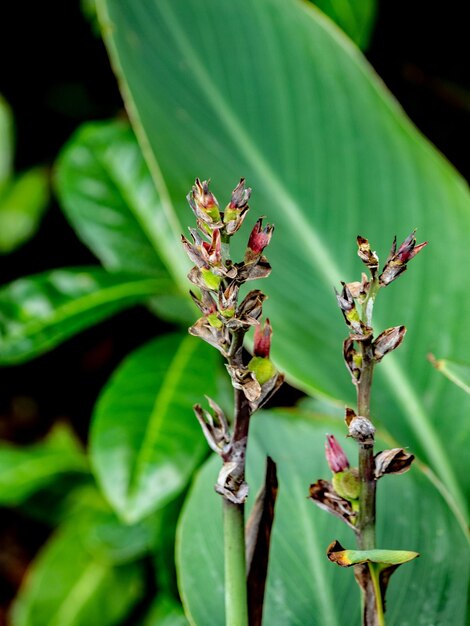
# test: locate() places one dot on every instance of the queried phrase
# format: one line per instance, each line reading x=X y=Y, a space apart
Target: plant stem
x=236 y=594
x=367 y=496
x=365 y=534
x=236 y=602
x=378 y=595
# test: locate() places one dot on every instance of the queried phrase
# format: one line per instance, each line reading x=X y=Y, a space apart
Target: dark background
x=55 y=74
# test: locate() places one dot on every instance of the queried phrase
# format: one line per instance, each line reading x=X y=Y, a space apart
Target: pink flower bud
x=262 y=342
x=337 y=459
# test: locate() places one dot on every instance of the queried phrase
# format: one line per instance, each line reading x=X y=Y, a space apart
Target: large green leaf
x=68 y=586
x=27 y=469
x=39 y=312
x=272 y=91
x=109 y=197
x=355 y=17
x=303 y=587
x=145 y=440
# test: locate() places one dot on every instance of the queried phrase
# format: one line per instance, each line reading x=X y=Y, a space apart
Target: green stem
x=236 y=601
x=378 y=594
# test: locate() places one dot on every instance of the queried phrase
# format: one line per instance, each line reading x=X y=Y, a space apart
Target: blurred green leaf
x=110 y=199
x=104 y=535
x=39 y=312
x=457 y=372
x=165 y=612
x=6 y=142
x=330 y=155
x=26 y=469
x=303 y=587
x=22 y=204
x=145 y=440
x=68 y=586
x=355 y=17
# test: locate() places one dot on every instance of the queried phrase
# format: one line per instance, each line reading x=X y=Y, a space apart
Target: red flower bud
x=259 y=239
x=262 y=342
x=337 y=459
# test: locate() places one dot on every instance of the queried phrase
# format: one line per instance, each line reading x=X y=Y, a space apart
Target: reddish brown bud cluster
x=225 y=320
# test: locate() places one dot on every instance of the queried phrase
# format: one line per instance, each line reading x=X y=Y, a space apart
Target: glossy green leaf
x=6 y=142
x=145 y=440
x=27 y=469
x=272 y=91
x=110 y=199
x=68 y=586
x=456 y=371
x=39 y=312
x=355 y=17
x=22 y=204
x=303 y=587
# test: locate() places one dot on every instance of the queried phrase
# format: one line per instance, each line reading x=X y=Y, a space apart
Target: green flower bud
x=262 y=368
x=346 y=484
x=212 y=280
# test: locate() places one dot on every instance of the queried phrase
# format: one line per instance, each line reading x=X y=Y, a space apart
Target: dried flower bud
x=251 y=307
x=397 y=260
x=214 y=426
x=353 y=360
x=236 y=210
x=351 y=315
x=253 y=270
x=362 y=430
x=259 y=239
x=359 y=290
x=367 y=256
x=337 y=459
x=395 y=461
x=387 y=341
x=205 y=303
x=325 y=497
x=215 y=334
x=203 y=203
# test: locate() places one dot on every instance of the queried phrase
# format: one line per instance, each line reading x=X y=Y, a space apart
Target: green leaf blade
x=303 y=587
x=329 y=155
x=67 y=586
x=145 y=439
x=39 y=312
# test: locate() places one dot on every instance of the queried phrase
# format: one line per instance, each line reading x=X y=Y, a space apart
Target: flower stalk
x=225 y=321
x=362 y=352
